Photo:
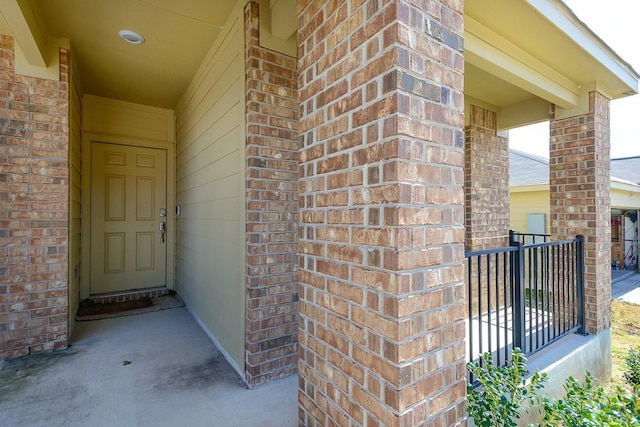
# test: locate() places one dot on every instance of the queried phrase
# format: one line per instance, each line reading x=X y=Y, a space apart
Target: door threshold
x=132 y=295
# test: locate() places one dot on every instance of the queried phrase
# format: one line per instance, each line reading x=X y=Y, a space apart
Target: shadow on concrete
x=154 y=369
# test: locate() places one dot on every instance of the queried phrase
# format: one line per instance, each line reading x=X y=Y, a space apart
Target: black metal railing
x=528 y=238
x=524 y=296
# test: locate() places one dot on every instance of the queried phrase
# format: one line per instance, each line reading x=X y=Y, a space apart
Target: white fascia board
x=615 y=185
x=564 y=19
x=619 y=184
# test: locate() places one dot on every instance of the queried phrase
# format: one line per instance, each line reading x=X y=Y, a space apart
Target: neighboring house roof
x=627 y=168
x=529 y=169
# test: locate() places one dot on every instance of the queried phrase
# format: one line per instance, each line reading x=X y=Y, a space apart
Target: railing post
x=580 y=282
x=517 y=274
x=512 y=237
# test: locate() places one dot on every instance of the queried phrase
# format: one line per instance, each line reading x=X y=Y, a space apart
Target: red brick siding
x=272 y=208
x=34 y=213
x=486 y=182
x=580 y=163
x=381 y=234
x=487 y=208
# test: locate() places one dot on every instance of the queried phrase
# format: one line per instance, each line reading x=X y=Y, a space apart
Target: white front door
x=128 y=212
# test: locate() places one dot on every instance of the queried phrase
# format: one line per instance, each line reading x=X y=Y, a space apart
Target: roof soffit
x=539 y=48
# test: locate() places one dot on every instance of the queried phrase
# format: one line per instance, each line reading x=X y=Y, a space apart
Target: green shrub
x=503 y=391
x=632 y=367
x=585 y=405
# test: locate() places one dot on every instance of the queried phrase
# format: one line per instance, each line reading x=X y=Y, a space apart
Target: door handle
x=163 y=229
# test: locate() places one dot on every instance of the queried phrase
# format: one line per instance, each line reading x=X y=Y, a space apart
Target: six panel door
x=128 y=192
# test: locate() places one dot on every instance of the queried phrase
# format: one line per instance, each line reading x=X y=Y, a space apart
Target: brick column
x=34 y=208
x=381 y=194
x=272 y=208
x=579 y=180
x=486 y=182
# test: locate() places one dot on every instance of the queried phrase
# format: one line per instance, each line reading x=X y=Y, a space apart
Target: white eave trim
x=619 y=184
x=564 y=19
x=615 y=185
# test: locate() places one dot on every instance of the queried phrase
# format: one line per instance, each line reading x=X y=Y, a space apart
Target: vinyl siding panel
x=113 y=117
x=526 y=203
x=75 y=196
x=210 y=178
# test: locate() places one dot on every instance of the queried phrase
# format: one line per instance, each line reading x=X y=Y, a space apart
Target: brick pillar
x=272 y=208
x=486 y=182
x=381 y=195
x=579 y=152
x=34 y=208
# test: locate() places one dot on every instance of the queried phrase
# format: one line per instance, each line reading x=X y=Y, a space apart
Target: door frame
x=87 y=139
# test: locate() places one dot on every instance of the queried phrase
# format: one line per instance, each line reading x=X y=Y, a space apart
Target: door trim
x=87 y=139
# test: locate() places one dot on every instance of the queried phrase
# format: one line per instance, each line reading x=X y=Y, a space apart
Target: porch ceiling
x=520 y=55
x=177 y=36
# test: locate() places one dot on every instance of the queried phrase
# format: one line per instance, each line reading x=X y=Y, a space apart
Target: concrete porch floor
x=176 y=377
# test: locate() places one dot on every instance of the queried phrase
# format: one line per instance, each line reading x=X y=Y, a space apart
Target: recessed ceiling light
x=131 y=37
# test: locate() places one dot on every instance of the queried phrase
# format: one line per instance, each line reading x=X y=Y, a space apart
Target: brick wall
x=579 y=179
x=34 y=208
x=272 y=208
x=486 y=182
x=487 y=208
x=381 y=234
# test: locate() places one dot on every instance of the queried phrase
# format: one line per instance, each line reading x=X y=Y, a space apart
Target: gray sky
x=616 y=22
